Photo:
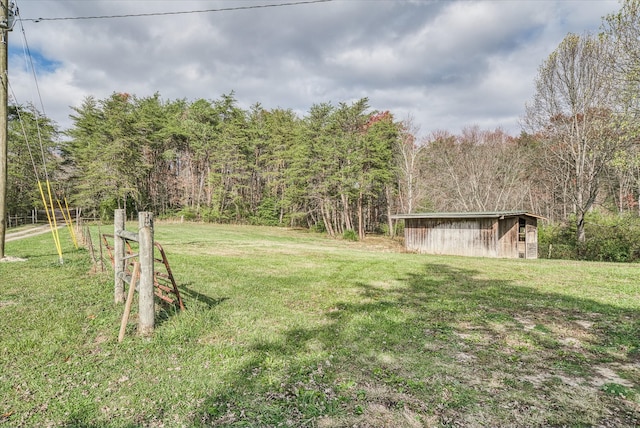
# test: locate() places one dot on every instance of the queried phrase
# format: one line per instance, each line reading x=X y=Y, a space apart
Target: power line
x=135 y=15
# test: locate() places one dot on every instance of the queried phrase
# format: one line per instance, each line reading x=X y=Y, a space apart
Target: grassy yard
x=288 y=328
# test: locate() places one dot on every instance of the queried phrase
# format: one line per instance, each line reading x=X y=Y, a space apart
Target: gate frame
x=144 y=238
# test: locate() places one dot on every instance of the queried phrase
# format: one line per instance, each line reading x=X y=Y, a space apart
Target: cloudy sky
x=446 y=64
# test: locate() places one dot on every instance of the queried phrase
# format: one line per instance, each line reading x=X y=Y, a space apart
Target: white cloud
x=449 y=64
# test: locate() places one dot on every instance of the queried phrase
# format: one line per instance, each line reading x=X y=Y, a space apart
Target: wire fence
x=38 y=217
x=15 y=220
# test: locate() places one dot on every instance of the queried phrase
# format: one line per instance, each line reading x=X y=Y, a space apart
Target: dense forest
x=345 y=168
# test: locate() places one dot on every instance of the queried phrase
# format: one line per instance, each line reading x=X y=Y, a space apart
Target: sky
x=443 y=65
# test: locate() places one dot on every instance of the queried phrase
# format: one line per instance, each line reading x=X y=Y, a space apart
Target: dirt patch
x=8 y=259
x=383 y=243
x=539 y=379
x=463 y=357
x=571 y=342
x=607 y=375
x=602 y=376
x=377 y=414
x=587 y=325
x=527 y=324
x=39 y=230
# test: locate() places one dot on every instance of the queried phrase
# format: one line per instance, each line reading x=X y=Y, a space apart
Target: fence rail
x=15 y=220
x=39 y=217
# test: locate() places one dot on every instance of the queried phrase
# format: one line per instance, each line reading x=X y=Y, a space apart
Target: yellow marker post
x=68 y=220
x=52 y=221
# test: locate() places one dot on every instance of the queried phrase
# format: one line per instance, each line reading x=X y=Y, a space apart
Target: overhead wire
x=49 y=206
x=50 y=219
x=136 y=15
x=47 y=199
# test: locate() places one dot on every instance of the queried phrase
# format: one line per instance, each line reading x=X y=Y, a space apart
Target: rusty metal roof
x=485 y=214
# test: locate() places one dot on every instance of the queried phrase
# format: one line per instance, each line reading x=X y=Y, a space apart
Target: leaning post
x=145 y=290
x=119 y=217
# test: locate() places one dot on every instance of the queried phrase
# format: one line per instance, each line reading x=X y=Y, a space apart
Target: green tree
x=375 y=170
x=345 y=159
x=217 y=160
x=231 y=172
x=160 y=138
x=200 y=128
x=274 y=136
x=105 y=155
x=313 y=167
x=350 y=121
x=30 y=137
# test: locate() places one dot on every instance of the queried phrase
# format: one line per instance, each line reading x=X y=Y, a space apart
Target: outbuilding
x=508 y=234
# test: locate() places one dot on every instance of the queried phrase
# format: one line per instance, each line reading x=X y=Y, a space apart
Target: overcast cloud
x=447 y=64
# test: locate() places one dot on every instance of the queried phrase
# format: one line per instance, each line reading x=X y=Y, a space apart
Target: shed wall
x=508 y=237
x=532 y=238
x=462 y=237
x=481 y=237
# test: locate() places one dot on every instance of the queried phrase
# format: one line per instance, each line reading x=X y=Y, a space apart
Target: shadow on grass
x=189 y=297
x=189 y=294
x=445 y=347
x=81 y=421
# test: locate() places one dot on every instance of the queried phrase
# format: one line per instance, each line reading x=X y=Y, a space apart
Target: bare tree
x=573 y=114
x=623 y=30
x=477 y=171
x=409 y=149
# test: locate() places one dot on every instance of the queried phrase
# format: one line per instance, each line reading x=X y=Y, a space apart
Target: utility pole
x=7 y=18
x=4 y=87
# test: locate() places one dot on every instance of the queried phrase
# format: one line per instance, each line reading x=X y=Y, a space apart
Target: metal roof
x=486 y=214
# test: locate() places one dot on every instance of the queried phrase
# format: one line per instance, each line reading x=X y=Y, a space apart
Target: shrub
x=266 y=214
x=612 y=238
x=350 y=235
x=557 y=241
x=168 y=215
x=106 y=209
x=398 y=227
x=188 y=213
x=296 y=219
x=213 y=215
x=318 y=227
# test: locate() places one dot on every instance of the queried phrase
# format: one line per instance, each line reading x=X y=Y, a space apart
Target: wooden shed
x=508 y=234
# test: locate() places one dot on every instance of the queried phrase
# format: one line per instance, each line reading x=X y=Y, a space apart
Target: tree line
x=346 y=168
x=214 y=161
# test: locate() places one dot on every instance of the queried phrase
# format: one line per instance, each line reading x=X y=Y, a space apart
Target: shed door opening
x=522 y=238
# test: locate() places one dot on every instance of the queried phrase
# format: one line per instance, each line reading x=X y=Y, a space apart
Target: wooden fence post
x=119 y=217
x=145 y=290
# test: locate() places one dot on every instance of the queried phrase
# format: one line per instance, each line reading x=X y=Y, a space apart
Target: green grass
x=287 y=328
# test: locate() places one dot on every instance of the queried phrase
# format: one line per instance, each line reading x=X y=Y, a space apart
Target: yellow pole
x=52 y=222
x=68 y=221
x=55 y=221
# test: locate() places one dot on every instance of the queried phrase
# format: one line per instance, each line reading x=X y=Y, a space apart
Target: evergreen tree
x=30 y=137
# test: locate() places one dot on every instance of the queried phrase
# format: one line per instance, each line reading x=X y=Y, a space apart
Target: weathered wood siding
x=481 y=237
x=461 y=237
x=508 y=237
x=532 y=238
